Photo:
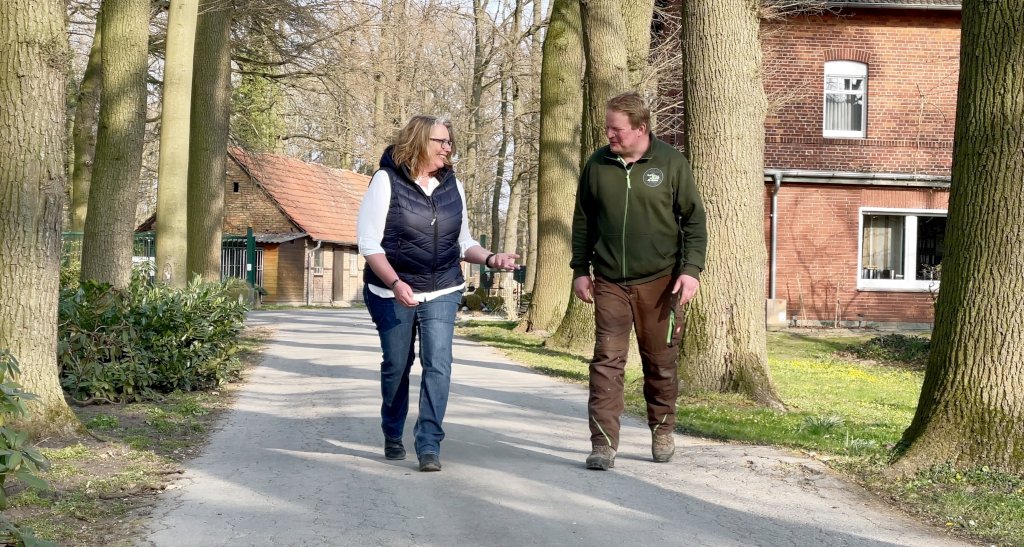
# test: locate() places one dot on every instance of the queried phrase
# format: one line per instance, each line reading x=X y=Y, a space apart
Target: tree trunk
x=172 y=188
x=536 y=58
x=33 y=62
x=636 y=16
x=971 y=411
x=558 y=167
x=211 y=112
x=497 y=243
x=724 y=345
x=471 y=175
x=84 y=135
x=607 y=76
x=114 y=193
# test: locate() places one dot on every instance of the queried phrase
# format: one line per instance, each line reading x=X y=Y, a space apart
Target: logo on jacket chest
x=653 y=177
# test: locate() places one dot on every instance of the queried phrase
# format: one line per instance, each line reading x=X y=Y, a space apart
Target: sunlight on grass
x=846 y=410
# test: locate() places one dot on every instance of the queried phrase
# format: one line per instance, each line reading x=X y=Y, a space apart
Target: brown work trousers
x=617 y=309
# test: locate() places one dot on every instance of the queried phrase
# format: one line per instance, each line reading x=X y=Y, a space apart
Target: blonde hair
x=412 y=143
x=634 y=107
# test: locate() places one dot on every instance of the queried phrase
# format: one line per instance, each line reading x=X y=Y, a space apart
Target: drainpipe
x=777 y=176
x=309 y=273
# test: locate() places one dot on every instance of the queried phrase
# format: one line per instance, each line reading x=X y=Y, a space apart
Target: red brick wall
x=817 y=250
x=912 y=58
x=250 y=206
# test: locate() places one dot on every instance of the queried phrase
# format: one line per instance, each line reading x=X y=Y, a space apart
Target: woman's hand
x=404 y=295
x=504 y=261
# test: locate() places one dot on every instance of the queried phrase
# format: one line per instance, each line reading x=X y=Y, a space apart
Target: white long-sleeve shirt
x=373 y=214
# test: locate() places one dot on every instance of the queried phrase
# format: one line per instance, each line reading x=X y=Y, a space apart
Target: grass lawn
x=843 y=408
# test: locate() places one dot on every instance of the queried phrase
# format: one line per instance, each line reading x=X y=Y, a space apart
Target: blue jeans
x=398 y=327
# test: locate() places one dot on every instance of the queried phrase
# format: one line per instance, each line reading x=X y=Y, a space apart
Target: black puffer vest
x=421 y=233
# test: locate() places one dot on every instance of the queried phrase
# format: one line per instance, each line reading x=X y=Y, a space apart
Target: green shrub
x=473 y=301
x=493 y=303
x=17 y=458
x=894 y=348
x=128 y=345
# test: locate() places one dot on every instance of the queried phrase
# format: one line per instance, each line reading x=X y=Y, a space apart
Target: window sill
x=850 y=135
x=912 y=286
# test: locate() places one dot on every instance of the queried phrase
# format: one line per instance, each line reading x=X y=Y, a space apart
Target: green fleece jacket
x=638 y=222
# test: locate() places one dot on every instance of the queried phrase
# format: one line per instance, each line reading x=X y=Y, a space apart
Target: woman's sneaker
x=430 y=462
x=393 y=450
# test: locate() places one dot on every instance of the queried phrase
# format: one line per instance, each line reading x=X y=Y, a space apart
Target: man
x=639 y=223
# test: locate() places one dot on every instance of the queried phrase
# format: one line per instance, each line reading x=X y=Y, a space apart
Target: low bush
x=894 y=348
x=17 y=457
x=493 y=303
x=130 y=344
x=473 y=302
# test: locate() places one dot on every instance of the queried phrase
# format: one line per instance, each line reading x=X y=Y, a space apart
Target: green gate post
x=250 y=257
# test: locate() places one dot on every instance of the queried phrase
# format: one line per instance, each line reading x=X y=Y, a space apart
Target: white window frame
x=353 y=263
x=318 y=261
x=840 y=69
x=909 y=283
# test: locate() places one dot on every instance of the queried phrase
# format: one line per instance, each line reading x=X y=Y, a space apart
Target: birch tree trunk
x=558 y=165
x=114 y=192
x=84 y=133
x=208 y=141
x=172 y=188
x=724 y=347
x=971 y=410
x=33 y=60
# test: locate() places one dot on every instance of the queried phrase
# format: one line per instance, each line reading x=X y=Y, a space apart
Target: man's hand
x=688 y=285
x=583 y=287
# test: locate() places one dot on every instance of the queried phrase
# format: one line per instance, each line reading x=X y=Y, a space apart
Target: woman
x=414 y=232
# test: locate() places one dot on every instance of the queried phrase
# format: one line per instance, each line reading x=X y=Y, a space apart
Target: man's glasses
x=443 y=142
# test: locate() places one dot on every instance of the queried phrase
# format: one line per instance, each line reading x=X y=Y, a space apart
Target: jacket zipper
x=625 y=213
x=433 y=269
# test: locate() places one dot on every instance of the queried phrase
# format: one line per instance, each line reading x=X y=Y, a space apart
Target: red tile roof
x=321 y=201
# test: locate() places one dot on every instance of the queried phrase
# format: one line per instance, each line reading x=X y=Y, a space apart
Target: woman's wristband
x=395 y=282
x=487 y=261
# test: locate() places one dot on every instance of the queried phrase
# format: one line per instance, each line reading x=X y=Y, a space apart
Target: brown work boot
x=602 y=458
x=663 y=445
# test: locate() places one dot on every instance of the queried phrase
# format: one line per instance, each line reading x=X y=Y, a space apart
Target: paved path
x=298 y=461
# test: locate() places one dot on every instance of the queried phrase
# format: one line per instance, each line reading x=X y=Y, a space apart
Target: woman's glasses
x=442 y=142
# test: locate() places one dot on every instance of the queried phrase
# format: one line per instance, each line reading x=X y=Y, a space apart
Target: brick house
x=304 y=219
x=858 y=153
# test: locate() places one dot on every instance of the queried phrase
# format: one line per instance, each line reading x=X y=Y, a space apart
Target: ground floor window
x=233 y=263
x=901 y=249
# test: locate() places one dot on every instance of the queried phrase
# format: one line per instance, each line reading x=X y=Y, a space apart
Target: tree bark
x=636 y=16
x=558 y=167
x=84 y=134
x=497 y=243
x=724 y=345
x=971 y=410
x=113 y=194
x=172 y=188
x=33 y=66
x=607 y=75
x=211 y=112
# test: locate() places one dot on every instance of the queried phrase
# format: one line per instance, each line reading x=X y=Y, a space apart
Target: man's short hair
x=634 y=107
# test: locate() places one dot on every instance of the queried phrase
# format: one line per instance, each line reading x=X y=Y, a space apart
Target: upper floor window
x=846 y=99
